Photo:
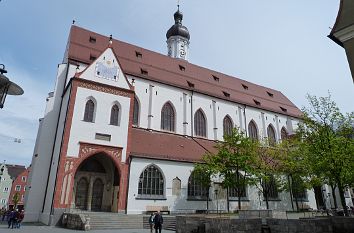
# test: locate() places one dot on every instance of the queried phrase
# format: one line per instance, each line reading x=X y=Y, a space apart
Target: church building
x=124 y=126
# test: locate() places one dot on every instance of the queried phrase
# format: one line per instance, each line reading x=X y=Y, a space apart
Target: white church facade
x=124 y=126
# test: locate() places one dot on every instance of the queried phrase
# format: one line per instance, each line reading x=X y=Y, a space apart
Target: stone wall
x=75 y=221
x=191 y=224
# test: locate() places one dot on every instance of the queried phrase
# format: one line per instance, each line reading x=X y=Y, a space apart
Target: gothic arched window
x=200 y=124
x=252 y=131
x=227 y=125
x=114 y=115
x=195 y=188
x=168 y=118
x=284 y=134
x=240 y=190
x=89 y=111
x=270 y=188
x=151 y=183
x=136 y=112
x=271 y=135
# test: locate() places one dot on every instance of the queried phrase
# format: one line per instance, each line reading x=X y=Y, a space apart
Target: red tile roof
x=164 y=69
x=168 y=146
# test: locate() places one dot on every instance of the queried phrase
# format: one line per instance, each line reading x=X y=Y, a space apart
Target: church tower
x=178 y=38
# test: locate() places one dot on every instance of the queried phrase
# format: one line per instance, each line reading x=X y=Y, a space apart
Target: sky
x=276 y=43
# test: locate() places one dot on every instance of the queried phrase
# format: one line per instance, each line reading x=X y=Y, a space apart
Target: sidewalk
x=49 y=229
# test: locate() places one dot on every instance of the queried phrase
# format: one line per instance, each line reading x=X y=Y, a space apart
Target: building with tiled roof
x=124 y=126
x=9 y=174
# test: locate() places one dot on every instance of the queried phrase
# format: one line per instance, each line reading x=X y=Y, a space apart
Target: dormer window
x=191 y=85
x=216 y=79
x=92 y=57
x=226 y=94
x=283 y=109
x=138 y=54
x=257 y=102
x=143 y=71
x=182 y=68
x=270 y=94
x=92 y=40
x=245 y=86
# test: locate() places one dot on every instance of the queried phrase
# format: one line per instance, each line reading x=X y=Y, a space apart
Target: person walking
x=11 y=218
x=21 y=215
x=158 y=221
x=151 y=221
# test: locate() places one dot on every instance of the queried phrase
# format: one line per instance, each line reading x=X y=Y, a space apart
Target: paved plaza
x=44 y=229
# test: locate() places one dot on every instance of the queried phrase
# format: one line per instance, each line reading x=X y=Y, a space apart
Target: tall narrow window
x=114 y=115
x=136 y=113
x=89 y=111
x=151 y=183
x=199 y=124
x=271 y=135
x=284 y=134
x=240 y=189
x=270 y=188
x=227 y=125
x=252 y=131
x=168 y=118
x=195 y=188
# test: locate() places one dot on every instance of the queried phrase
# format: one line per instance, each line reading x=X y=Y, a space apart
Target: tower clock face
x=182 y=51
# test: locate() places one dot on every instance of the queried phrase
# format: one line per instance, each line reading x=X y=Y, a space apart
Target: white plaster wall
x=108 y=58
x=82 y=131
x=201 y=102
x=56 y=153
x=170 y=171
x=41 y=164
x=224 y=108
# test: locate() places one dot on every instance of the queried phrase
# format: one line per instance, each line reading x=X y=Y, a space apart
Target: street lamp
x=7 y=87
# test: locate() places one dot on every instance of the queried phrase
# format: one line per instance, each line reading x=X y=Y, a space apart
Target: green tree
x=266 y=170
x=328 y=139
x=233 y=162
x=293 y=164
x=16 y=199
x=203 y=173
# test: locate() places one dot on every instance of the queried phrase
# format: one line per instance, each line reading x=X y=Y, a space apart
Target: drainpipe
x=192 y=122
x=244 y=115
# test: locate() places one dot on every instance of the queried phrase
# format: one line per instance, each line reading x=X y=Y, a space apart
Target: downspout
x=244 y=115
x=192 y=122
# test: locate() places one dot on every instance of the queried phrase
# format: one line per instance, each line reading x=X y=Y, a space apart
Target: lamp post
x=7 y=87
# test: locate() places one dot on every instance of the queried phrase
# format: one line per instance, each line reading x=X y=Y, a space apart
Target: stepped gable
x=14 y=170
x=168 y=146
x=85 y=45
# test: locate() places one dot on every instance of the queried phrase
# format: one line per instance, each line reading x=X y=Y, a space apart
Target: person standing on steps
x=158 y=221
x=151 y=221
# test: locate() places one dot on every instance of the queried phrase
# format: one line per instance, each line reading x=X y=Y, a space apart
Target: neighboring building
x=343 y=30
x=10 y=173
x=125 y=125
x=19 y=186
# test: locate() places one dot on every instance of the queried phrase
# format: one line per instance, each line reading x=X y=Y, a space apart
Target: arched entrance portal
x=96 y=184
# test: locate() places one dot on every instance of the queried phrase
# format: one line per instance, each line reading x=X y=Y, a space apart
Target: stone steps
x=169 y=222
x=102 y=220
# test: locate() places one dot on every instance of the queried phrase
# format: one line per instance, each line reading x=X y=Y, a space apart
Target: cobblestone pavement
x=46 y=229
